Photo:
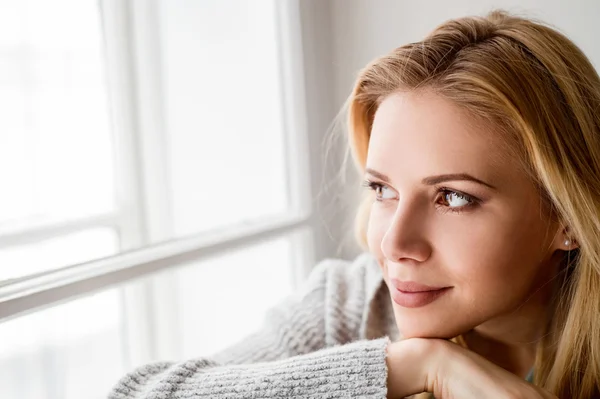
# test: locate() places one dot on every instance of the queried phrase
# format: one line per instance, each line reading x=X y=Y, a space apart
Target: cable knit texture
x=327 y=340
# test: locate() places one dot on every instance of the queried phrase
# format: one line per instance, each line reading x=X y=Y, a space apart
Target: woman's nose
x=406 y=237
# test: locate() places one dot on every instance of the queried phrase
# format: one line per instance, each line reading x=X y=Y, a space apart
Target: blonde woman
x=480 y=148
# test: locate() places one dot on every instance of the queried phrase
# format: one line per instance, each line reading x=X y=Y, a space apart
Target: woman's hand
x=454 y=372
x=450 y=371
x=406 y=363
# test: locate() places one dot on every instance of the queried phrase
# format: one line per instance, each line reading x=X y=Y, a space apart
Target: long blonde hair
x=544 y=95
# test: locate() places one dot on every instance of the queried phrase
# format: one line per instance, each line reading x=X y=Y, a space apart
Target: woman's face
x=455 y=211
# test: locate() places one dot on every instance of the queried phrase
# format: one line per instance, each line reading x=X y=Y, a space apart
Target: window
x=224 y=113
x=56 y=149
x=154 y=157
x=62 y=352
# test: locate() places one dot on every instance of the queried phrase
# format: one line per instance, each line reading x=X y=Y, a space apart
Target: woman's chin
x=424 y=334
x=415 y=327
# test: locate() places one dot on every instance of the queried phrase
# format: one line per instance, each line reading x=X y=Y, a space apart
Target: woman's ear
x=564 y=239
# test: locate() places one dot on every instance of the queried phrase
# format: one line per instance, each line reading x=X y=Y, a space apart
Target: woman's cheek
x=376 y=229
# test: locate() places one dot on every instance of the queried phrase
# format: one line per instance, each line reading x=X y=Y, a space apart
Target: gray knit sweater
x=327 y=340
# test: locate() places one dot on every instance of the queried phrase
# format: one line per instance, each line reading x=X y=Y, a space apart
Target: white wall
x=365 y=29
x=361 y=30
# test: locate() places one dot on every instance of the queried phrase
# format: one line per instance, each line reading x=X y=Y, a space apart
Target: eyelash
x=473 y=201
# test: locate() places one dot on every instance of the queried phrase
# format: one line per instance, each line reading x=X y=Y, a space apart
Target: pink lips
x=410 y=294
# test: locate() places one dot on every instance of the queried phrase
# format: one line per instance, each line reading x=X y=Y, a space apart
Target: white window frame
x=134 y=53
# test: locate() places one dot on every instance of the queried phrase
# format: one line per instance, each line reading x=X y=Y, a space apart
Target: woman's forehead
x=421 y=132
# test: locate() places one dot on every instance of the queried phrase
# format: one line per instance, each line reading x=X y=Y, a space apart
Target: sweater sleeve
x=286 y=358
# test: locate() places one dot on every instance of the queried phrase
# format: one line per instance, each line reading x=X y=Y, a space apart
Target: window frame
x=133 y=54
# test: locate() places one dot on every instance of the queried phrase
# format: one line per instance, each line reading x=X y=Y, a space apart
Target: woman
x=481 y=147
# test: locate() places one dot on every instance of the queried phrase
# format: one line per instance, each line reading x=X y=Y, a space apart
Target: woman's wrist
x=406 y=363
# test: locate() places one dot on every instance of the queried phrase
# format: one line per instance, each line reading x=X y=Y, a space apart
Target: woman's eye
x=381 y=192
x=456 y=200
x=449 y=199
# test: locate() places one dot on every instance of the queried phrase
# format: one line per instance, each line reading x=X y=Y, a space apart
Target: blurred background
x=170 y=169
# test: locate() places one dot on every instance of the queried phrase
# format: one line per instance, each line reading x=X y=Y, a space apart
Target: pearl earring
x=567 y=243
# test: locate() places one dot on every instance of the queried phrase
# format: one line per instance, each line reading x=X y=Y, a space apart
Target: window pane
x=55 y=146
x=224 y=112
x=71 y=351
x=244 y=284
x=22 y=260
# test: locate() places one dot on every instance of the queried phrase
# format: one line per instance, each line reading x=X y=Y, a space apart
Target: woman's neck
x=515 y=358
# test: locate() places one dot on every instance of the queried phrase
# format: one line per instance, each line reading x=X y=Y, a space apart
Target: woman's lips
x=410 y=294
x=411 y=286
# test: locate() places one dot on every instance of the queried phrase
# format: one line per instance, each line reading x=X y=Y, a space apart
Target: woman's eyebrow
x=378 y=175
x=432 y=180
x=455 y=177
